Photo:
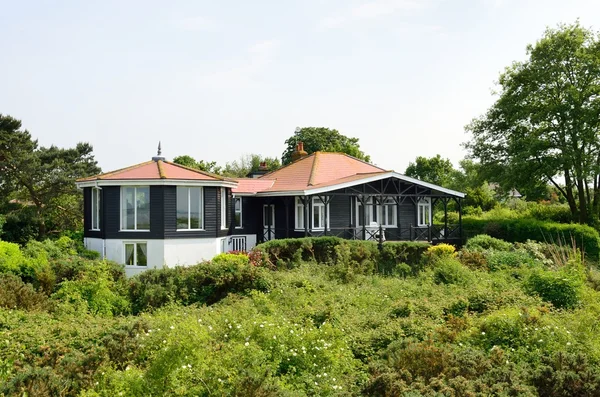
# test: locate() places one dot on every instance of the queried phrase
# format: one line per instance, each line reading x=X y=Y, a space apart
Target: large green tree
x=435 y=170
x=322 y=139
x=544 y=125
x=42 y=178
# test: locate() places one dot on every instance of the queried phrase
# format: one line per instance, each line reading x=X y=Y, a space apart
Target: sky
x=218 y=80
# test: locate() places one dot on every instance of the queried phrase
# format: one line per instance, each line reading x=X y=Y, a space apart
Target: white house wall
x=186 y=252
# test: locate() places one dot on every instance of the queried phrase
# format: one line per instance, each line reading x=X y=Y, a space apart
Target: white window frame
x=380 y=211
x=95 y=207
x=135 y=258
x=316 y=202
x=189 y=202
x=241 y=225
x=135 y=207
x=388 y=203
x=423 y=209
x=299 y=209
x=223 y=209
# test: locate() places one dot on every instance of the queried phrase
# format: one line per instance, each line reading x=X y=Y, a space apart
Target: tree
x=189 y=161
x=545 y=122
x=42 y=178
x=433 y=170
x=250 y=163
x=322 y=139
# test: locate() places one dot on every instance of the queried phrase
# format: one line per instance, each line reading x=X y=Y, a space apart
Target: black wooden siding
x=163 y=215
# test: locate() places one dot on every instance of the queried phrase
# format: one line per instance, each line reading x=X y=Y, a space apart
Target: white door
x=269 y=221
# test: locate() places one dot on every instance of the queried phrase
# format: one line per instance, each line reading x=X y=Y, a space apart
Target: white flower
x=172 y=327
x=164 y=341
x=482 y=333
x=274 y=337
x=568 y=343
x=247 y=343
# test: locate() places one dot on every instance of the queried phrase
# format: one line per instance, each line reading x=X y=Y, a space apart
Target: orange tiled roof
x=155 y=170
x=252 y=185
x=318 y=169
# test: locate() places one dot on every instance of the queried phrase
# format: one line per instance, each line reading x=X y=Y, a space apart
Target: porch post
x=460 y=229
x=364 y=218
x=325 y=202
x=445 y=218
x=305 y=201
x=380 y=218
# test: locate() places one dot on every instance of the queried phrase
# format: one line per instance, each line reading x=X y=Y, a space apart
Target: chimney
x=263 y=166
x=299 y=152
x=262 y=169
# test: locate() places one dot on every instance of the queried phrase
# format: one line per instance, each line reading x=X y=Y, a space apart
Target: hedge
x=365 y=255
x=523 y=229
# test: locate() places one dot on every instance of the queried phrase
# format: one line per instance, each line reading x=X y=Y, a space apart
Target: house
x=159 y=213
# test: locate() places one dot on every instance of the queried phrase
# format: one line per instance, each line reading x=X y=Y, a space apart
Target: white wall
x=115 y=252
x=189 y=251
x=94 y=244
x=166 y=253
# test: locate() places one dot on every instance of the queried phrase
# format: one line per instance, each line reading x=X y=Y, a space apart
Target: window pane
x=143 y=207
x=361 y=213
x=182 y=207
x=195 y=210
x=95 y=200
x=299 y=216
x=317 y=217
x=128 y=208
x=238 y=211
x=129 y=260
x=142 y=259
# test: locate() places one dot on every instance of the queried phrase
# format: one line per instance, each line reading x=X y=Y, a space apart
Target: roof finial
x=158 y=154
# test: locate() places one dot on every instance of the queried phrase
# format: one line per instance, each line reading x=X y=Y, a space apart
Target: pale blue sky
x=217 y=80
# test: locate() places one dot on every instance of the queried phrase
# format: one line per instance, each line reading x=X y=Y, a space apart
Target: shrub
x=523 y=229
x=561 y=288
x=566 y=372
x=363 y=257
x=11 y=258
x=450 y=271
x=555 y=212
x=485 y=242
x=509 y=259
x=475 y=260
x=207 y=282
x=15 y=294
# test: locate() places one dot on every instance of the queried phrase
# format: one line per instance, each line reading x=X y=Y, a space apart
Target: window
x=299 y=213
x=135 y=208
x=387 y=213
x=136 y=254
x=424 y=212
x=223 y=208
x=237 y=207
x=189 y=208
x=318 y=214
x=96 y=208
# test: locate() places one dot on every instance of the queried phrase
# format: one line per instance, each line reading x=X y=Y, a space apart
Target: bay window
x=190 y=208
x=386 y=213
x=135 y=208
x=318 y=214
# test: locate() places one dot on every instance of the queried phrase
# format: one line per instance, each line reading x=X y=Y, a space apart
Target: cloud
x=371 y=10
x=197 y=23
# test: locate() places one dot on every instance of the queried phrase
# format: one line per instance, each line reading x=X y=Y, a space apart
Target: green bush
x=485 y=242
x=523 y=229
x=509 y=259
x=451 y=271
x=15 y=294
x=363 y=257
x=550 y=212
x=11 y=258
x=561 y=288
x=207 y=282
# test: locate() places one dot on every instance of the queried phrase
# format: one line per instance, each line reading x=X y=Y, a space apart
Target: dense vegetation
x=304 y=317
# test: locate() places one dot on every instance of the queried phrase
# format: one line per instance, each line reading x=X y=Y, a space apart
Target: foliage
x=201 y=165
x=561 y=288
x=42 y=178
x=546 y=119
x=523 y=229
x=433 y=170
x=449 y=270
x=485 y=242
x=207 y=282
x=15 y=294
x=250 y=163
x=322 y=139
